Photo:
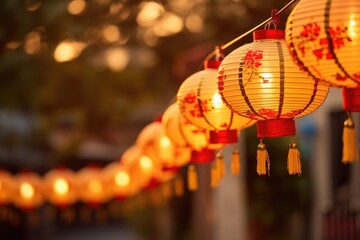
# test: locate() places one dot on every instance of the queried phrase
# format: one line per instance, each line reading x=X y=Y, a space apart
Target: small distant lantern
x=6 y=187
x=118 y=178
x=28 y=191
x=326 y=45
x=61 y=187
x=260 y=81
x=92 y=189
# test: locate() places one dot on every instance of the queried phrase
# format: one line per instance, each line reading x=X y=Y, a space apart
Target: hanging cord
x=275 y=17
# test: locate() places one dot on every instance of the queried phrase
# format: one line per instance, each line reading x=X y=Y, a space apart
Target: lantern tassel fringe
x=293 y=161
x=348 y=138
x=235 y=162
x=192 y=178
x=263 y=160
x=214 y=181
x=220 y=165
x=179 y=187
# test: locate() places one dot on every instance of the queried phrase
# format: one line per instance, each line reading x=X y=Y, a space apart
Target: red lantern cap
x=203 y=156
x=275 y=128
x=224 y=136
x=351 y=99
x=268 y=34
x=212 y=64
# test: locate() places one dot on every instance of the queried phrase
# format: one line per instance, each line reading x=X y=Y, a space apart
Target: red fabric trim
x=351 y=99
x=268 y=34
x=223 y=136
x=212 y=64
x=203 y=156
x=275 y=128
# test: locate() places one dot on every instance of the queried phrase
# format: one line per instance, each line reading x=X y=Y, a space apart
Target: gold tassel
x=293 y=162
x=220 y=165
x=263 y=160
x=235 y=162
x=192 y=178
x=214 y=182
x=349 y=147
x=179 y=187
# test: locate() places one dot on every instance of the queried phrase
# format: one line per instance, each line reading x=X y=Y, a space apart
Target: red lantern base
x=275 y=128
x=203 y=156
x=351 y=99
x=224 y=136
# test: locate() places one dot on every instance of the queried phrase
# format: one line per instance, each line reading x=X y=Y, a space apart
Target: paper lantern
x=6 y=187
x=92 y=189
x=144 y=171
x=324 y=40
x=118 y=178
x=201 y=104
x=28 y=191
x=260 y=81
x=61 y=187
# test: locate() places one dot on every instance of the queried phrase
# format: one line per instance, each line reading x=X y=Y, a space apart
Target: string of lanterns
x=272 y=81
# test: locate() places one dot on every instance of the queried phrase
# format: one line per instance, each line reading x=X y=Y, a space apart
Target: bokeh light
x=68 y=50
x=76 y=7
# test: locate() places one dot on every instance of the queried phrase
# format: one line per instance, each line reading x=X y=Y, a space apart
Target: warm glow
x=68 y=50
x=165 y=142
x=76 y=7
x=170 y=24
x=31 y=7
x=216 y=101
x=27 y=191
x=194 y=23
x=146 y=163
x=95 y=186
x=33 y=43
x=0 y=185
x=266 y=78
x=352 y=27
x=13 y=45
x=111 y=33
x=122 y=179
x=61 y=187
x=149 y=13
x=117 y=58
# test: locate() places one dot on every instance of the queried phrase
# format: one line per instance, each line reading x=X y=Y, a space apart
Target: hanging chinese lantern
x=201 y=104
x=144 y=171
x=92 y=189
x=117 y=177
x=61 y=187
x=325 y=43
x=6 y=187
x=260 y=81
x=28 y=191
x=183 y=132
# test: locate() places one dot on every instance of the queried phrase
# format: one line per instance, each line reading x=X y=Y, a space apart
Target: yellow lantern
x=118 y=178
x=324 y=39
x=260 y=81
x=92 y=189
x=201 y=104
x=28 y=191
x=61 y=187
x=6 y=187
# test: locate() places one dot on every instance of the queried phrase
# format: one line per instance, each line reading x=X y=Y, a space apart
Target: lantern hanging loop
x=274 y=17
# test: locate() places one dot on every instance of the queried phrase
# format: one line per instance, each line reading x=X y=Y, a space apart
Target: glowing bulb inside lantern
x=27 y=191
x=95 y=186
x=352 y=27
x=122 y=179
x=165 y=142
x=265 y=78
x=146 y=163
x=61 y=187
x=216 y=101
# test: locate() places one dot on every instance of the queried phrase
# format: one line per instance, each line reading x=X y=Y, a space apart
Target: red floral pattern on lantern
x=310 y=41
x=357 y=76
x=221 y=79
x=272 y=114
x=193 y=107
x=251 y=63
